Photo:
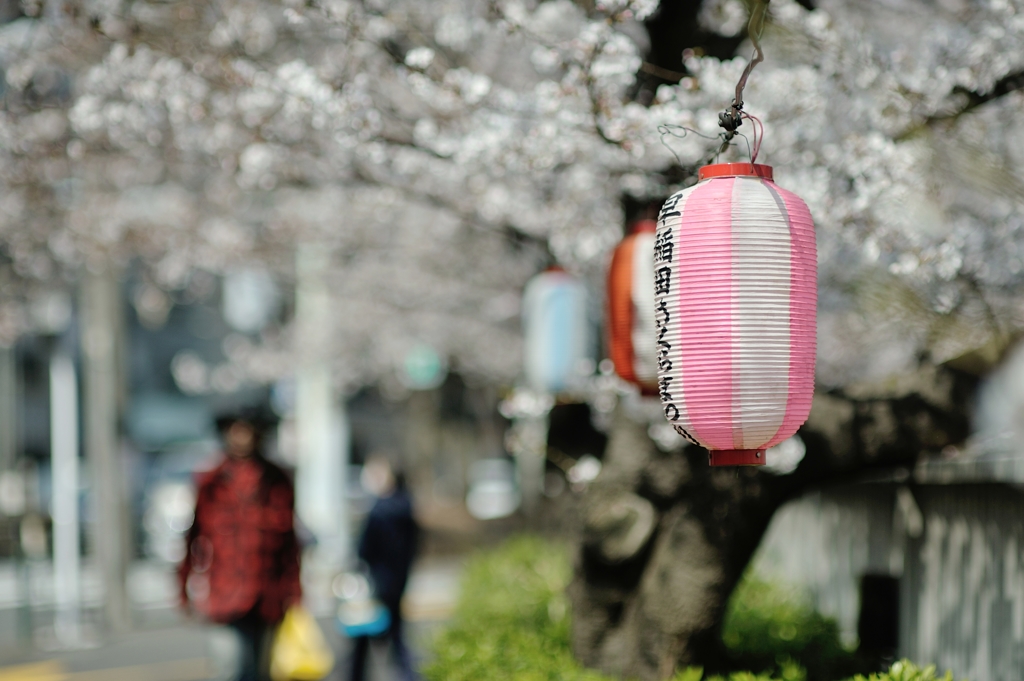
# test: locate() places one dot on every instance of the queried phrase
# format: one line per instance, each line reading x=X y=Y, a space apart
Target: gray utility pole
x=530 y=452
x=101 y=329
x=64 y=510
x=8 y=409
x=320 y=421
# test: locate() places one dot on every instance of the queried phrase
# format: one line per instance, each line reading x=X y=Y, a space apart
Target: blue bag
x=359 y=613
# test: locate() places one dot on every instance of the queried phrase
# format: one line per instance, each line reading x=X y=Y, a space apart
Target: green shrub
x=772 y=629
x=512 y=624
x=512 y=619
x=791 y=672
x=905 y=670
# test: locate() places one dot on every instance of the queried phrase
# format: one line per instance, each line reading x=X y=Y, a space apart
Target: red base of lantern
x=736 y=457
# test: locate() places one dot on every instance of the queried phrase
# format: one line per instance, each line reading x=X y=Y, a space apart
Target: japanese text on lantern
x=663 y=246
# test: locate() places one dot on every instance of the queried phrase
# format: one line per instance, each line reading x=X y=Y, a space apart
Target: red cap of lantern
x=735 y=273
x=631 y=308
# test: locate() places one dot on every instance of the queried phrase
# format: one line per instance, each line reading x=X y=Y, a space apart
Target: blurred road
x=163 y=646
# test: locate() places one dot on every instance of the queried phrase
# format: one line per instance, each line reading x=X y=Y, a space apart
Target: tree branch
x=973 y=99
x=883 y=427
x=661 y=72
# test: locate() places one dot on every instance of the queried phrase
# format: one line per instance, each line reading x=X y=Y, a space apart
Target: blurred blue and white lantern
x=557 y=334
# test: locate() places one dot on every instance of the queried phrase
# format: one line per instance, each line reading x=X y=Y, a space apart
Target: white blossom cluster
x=918 y=209
x=440 y=151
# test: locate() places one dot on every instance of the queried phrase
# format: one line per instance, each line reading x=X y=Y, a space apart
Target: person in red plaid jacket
x=241 y=566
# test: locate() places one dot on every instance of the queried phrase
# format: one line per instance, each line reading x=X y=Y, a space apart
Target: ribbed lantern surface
x=631 y=308
x=735 y=279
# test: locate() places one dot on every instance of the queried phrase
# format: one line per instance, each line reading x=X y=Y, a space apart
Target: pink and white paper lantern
x=735 y=268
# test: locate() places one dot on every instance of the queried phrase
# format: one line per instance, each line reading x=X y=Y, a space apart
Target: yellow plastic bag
x=299 y=652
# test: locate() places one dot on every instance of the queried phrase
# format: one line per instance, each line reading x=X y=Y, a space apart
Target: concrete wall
x=824 y=542
x=958 y=551
x=963 y=587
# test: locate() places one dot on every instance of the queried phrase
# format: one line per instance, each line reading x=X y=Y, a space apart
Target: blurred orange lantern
x=631 y=330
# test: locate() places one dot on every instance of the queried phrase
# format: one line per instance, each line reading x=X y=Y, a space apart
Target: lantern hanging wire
x=732 y=118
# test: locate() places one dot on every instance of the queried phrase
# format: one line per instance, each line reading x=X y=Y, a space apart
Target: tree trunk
x=666 y=538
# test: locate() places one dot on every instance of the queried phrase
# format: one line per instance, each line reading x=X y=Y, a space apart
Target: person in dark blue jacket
x=387 y=546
